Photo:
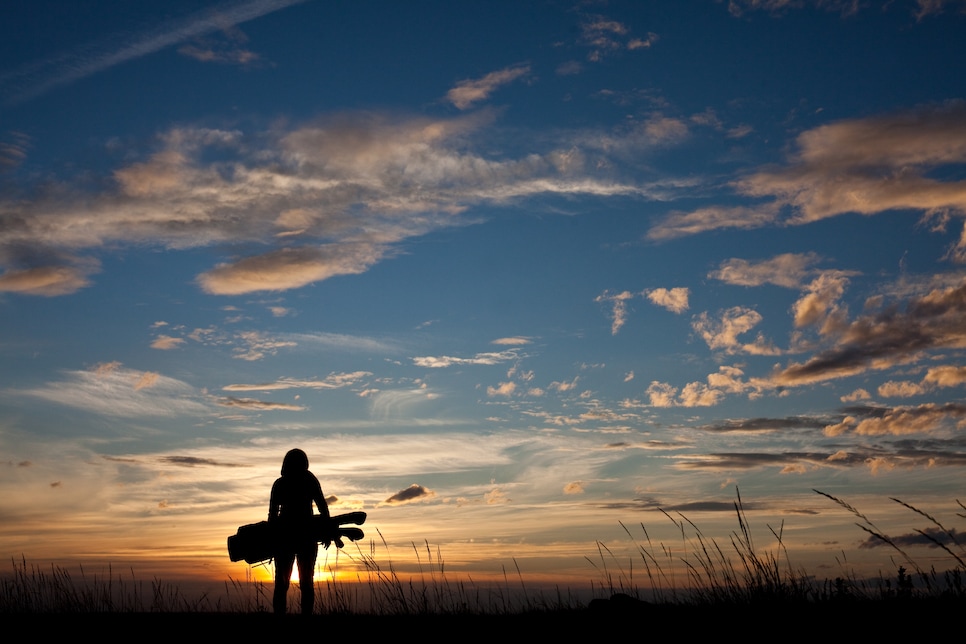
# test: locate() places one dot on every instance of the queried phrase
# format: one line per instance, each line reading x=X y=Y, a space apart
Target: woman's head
x=294 y=462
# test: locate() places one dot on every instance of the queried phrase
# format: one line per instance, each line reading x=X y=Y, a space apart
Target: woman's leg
x=306 y=559
x=283 y=576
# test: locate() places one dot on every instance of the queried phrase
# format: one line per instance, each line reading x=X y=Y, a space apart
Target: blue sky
x=511 y=275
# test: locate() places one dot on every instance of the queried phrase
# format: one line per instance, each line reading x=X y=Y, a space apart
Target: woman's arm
x=273 y=503
x=319 y=499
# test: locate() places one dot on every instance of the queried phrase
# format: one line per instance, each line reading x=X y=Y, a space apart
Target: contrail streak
x=37 y=78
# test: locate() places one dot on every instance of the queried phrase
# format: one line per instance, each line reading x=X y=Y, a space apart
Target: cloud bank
x=326 y=199
x=866 y=166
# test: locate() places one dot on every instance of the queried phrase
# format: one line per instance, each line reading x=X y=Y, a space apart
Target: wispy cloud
x=618 y=304
x=258 y=405
x=507 y=389
x=257 y=345
x=488 y=358
x=767 y=424
x=411 y=494
x=923 y=8
x=872 y=165
x=347 y=191
x=513 y=341
x=166 y=342
x=394 y=404
x=845 y=7
x=931 y=537
x=289 y=268
x=876 y=460
x=468 y=92
x=13 y=150
x=42 y=76
x=789 y=270
x=332 y=381
x=730 y=461
x=681 y=224
x=195 y=461
x=343 y=342
x=605 y=36
x=866 y=166
x=574 y=487
x=933 y=7
x=49 y=281
x=228 y=49
x=113 y=390
x=254 y=345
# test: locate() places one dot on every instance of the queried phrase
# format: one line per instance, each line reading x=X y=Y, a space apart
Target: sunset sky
x=513 y=274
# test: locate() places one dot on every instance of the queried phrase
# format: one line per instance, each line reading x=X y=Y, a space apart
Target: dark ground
x=889 y=620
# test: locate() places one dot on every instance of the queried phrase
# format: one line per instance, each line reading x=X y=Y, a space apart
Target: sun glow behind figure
x=521 y=299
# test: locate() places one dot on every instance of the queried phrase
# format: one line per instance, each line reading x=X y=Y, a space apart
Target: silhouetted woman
x=290 y=511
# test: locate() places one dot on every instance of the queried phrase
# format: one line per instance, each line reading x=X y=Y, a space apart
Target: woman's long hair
x=295 y=462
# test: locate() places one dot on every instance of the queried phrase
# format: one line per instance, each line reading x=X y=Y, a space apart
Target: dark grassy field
x=735 y=592
x=879 y=619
